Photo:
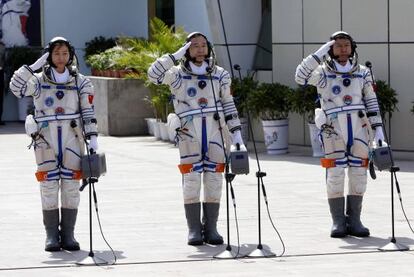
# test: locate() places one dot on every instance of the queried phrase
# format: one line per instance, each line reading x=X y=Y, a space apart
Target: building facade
x=269 y=37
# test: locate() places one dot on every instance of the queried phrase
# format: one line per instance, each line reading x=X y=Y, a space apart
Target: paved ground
x=142 y=215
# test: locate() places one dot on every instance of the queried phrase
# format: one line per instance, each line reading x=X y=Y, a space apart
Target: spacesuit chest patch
x=191 y=92
x=60 y=94
x=347 y=99
x=59 y=110
x=336 y=90
x=203 y=102
x=49 y=101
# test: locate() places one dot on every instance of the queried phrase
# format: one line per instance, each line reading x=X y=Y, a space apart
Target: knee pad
x=191 y=187
x=357 y=180
x=213 y=183
x=70 y=195
x=335 y=182
x=49 y=193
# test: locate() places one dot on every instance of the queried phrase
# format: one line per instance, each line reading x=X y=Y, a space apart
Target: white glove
x=181 y=52
x=379 y=136
x=40 y=62
x=93 y=144
x=320 y=118
x=236 y=138
x=321 y=52
x=31 y=126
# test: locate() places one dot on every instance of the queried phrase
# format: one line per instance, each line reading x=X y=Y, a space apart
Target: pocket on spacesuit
x=189 y=148
x=45 y=158
x=333 y=145
x=215 y=152
x=72 y=156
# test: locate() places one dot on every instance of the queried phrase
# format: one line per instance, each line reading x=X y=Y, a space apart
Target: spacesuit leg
x=336 y=200
x=357 y=187
x=70 y=198
x=212 y=194
x=49 y=193
x=192 y=207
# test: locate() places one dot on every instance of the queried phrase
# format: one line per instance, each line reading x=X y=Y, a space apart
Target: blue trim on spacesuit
x=350 y=134
x=204 y=146
x=60 y=154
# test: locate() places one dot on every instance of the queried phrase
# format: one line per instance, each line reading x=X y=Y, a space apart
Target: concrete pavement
x=142 y=215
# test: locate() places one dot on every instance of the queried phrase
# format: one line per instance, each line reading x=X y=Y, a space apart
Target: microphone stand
x=228 y=253
x=91 y=259
x=393 y=245
x=259 y=252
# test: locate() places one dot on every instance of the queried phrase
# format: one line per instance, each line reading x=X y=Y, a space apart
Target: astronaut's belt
x=42 y=176
x=57 y=117
x=200 y=111
x=328 y=163
x=187 y=168
x=345 y=109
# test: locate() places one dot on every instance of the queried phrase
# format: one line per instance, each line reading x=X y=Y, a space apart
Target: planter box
x=120 y=106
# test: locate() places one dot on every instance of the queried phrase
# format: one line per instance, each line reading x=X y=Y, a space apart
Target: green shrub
x=387 y=98
x=270 y=101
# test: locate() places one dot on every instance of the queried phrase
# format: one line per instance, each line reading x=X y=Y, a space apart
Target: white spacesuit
x=60 y=99
x=347 y=98
x=14 y=18
x=198 y=132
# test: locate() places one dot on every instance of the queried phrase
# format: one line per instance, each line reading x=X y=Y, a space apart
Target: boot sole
x=337 y=236
x=359 y=235
x=53 y=249
x=195 y=243
x=214 y=242
x=71 y=248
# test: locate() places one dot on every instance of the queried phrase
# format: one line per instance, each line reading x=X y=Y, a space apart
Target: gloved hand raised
x=181 y=52
x=236 y=139
x=379 y=138
x=324 y=49
x=40 y=62
x=93 y=144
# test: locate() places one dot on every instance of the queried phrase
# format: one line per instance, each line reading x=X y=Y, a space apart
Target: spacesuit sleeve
x=162 y=71
x=371 y=101
x=24 y=82
x=86 y=92
x=307 y=72
x=230 y=112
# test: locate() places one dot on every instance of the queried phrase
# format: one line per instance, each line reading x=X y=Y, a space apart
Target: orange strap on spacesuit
x=328 y=163
x=41 y=176
x=187 y=168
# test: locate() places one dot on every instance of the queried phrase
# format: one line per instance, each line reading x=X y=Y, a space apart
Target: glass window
x=263 y=56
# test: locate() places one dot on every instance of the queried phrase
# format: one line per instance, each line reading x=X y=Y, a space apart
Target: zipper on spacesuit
x=204 y=147
x=60 y=153
x=350 y=134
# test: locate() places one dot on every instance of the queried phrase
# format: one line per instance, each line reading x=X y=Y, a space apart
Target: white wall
x=192 y=15
x=298 y=30
x=242 y=20
x=80 y=21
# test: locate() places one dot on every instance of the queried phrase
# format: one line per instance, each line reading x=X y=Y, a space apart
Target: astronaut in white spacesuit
x=14 y=16
x=349 y=108
x=198 y=128
x=62 y=97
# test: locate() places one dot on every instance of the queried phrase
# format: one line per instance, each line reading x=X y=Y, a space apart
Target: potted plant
x=304 y=101
x=142 y=53
x=241 y=89
x=92 y=50
x=271 y=103
x=387 y=100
